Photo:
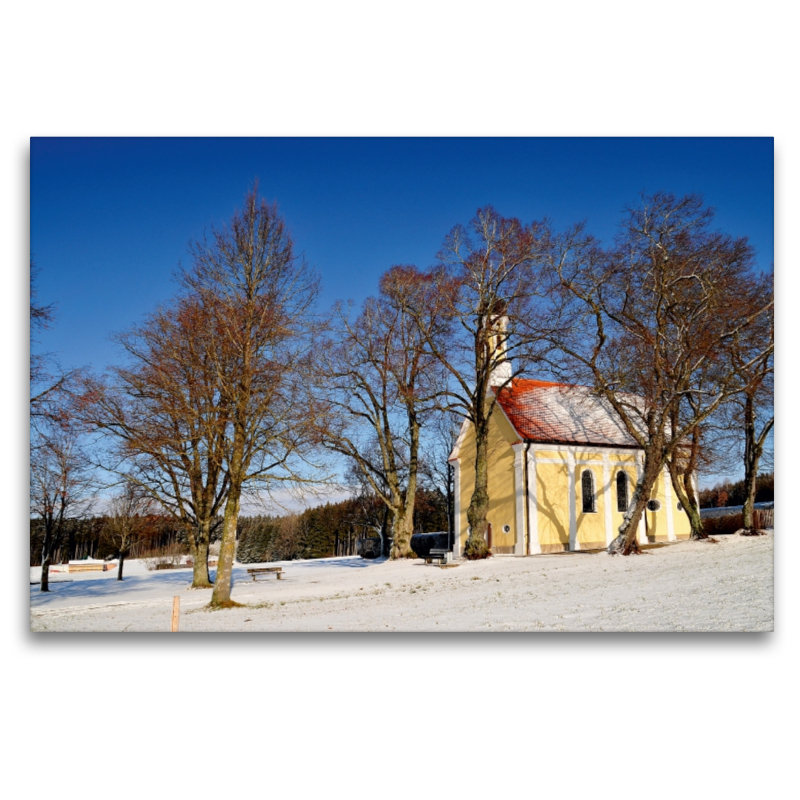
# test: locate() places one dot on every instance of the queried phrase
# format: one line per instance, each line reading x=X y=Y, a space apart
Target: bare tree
x=260 y=296
x=647 y=324
x=435 y=470
x=379 y=381
x=163 y=420
x=48 y=383
x=370 y=513
x=752 y=407
x=731 y=426
x=126 y=520
x=60 y=485
x=489 y=280
x=683 y=464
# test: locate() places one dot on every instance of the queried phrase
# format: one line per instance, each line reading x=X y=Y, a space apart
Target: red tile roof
x=541 y=411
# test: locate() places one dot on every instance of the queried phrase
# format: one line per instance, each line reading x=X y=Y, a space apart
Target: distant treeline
x=321 y=532
x=329 y=530
x=733 y=494
x=84 y=538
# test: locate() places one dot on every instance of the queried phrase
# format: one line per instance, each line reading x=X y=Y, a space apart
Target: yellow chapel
x=562 y=470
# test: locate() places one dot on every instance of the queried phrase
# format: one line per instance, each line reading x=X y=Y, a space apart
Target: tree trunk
x=625 y=543
x=402 y=528
x=47 y=547
x=748 y=522
x=403 y=515
x=383 y=532
x=682 y=484
x=121 y=562
x=478 y=510
x=71 y=543
x=199 y=544
x=693 y=512
x=221 y=597
x=752 y=454
x=45 y=584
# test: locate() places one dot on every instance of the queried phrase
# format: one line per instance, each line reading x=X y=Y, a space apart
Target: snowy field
x=688 y=586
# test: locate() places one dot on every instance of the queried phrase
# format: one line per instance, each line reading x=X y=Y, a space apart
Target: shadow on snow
x=165 y=581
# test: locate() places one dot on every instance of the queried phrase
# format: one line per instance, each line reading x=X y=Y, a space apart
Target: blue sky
x=111 y=217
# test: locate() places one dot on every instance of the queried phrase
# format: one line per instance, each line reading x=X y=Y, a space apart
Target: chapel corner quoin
x=561 y=474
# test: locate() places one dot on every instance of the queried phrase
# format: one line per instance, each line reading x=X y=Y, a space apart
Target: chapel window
x=587 y=487
x=622 y=492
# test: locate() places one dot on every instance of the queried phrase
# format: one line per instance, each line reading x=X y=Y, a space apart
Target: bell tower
x=498 y=347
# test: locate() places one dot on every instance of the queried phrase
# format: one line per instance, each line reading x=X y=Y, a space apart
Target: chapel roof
x=541 y=411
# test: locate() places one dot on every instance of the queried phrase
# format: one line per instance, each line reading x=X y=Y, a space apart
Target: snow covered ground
x=688 y=586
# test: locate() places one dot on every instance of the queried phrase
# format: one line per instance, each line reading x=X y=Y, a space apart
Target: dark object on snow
x=423 y=543
x=369 y=548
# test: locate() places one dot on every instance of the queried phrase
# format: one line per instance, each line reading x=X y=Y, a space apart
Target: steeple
x=498 y=346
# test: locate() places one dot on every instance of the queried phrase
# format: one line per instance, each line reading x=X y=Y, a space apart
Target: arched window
x=587 y=488
x=622 y=492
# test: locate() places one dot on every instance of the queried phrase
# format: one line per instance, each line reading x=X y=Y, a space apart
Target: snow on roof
x=541 y=411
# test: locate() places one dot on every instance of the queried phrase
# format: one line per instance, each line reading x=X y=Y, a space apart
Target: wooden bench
x=437 y=554
x=265 y=571
x=90 y=566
